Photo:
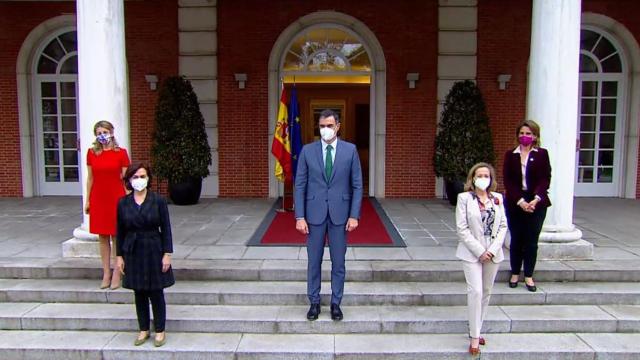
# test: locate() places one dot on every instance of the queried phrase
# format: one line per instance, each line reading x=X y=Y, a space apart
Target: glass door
x=57 y=136
x=599 y=128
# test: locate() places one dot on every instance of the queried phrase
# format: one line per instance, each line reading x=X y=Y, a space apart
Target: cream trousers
x=480 y=279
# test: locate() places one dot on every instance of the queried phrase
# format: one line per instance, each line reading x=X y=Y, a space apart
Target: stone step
x=291 y=319
x=294 y=293
x=296 y=270
x=69 y=345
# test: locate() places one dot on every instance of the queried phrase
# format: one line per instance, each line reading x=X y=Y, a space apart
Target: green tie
x=328 y=164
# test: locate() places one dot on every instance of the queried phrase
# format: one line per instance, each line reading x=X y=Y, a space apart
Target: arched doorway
x=55 y=114
x=601 y=117
x=607 y=161
x=336 y=62
x=330 y=69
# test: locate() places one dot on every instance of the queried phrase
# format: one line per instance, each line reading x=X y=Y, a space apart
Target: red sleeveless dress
x=107 y=188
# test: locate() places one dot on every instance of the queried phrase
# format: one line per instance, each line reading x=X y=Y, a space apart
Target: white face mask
x=139 y=184
x=482 y=183
x=327 y=134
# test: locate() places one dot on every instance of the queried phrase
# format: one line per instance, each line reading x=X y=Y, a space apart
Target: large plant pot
x=453 y=188
x=186 y=193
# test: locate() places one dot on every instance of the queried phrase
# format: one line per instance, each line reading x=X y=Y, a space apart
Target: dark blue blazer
x=338 y=197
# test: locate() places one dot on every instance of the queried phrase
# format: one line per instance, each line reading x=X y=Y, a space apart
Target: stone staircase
x=249 y=309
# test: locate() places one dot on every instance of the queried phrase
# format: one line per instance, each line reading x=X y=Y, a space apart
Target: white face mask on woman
x=139 y=184
x=482 y=183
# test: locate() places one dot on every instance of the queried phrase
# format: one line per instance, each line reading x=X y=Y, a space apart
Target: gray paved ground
x=219 y=229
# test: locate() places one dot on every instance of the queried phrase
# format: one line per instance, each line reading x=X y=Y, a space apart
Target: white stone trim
x=630 y=53
x=24 y=68
x=198 y=62
x=463 y=18
x=197 y=18
x=457 y=51
x=377 y=91
x=196 y=3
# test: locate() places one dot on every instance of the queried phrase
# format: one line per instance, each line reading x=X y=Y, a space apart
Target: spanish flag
x=280 y=147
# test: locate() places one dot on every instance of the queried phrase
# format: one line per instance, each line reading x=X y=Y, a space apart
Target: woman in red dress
x=106 y=164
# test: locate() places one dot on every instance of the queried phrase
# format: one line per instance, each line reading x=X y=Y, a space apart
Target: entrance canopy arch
x=332 y=59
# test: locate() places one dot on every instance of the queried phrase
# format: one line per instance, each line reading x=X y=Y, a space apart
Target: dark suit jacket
x=144 y=236
x=538 y=176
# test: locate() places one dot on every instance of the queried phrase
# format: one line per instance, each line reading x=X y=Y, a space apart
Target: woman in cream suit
x=481 y=226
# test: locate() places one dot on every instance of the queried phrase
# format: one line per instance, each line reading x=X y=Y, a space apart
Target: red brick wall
x=17 y=19
x=500 y=23
x=625 y=12
x=152 y=47
x=407 y=31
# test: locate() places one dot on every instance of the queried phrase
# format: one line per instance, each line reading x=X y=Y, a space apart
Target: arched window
x=597 y=54
x=600 y=114
x=327 y=51
x=56 y=116
x=60 y=56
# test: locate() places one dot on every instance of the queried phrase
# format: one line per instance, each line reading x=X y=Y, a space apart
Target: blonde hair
x=96 y=146
x=535 y=129
x=469 y=186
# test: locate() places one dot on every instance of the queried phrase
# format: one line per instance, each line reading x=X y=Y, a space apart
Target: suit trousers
x=315 y=250
x=525 y=229
x=480 y=278
x=157 y=304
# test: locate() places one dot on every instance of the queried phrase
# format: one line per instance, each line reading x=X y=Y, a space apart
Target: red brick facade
x=407 y=30
x=16 y=22
x=243 y=116
x=506 y=108
x=152 y=48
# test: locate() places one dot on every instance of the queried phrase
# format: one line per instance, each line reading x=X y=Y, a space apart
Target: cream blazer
x=470 y=230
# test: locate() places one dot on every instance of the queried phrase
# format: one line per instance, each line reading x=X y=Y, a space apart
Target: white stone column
x=103 y=91
x=552 y=101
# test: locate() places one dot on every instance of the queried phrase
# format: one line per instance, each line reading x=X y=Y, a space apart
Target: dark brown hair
x=329 y=113
x=132 y=169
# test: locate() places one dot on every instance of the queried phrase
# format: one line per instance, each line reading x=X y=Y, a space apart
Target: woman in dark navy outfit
x=144 y=250
x=527 y=174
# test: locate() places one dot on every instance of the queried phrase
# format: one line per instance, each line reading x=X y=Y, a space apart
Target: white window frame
x=41 y=186
x=616 y=187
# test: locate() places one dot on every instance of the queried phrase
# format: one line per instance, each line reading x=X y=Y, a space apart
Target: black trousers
x=525 y=229
x=157 y=304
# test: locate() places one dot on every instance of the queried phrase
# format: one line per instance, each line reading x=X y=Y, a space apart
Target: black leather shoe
x=336 y=313
x=513 y=284
x=531 y=288
x=314 y=311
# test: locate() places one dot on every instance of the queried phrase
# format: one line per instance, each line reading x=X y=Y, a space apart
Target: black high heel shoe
x=531 y=288
x=513 y=284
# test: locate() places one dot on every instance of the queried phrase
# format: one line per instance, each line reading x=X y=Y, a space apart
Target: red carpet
x=370 y=232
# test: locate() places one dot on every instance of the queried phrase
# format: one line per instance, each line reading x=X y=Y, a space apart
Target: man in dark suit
x=328 y=195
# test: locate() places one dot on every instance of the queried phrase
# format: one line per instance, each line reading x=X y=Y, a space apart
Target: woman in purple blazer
x=527 y=174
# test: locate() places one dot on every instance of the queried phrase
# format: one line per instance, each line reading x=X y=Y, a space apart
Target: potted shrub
x=180 y=152
x=463 y=138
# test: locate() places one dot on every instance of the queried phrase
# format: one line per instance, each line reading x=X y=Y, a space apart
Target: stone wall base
x=76 y=248
x=574 y=250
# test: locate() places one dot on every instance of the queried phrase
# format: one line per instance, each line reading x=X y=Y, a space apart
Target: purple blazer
x=538 y=176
